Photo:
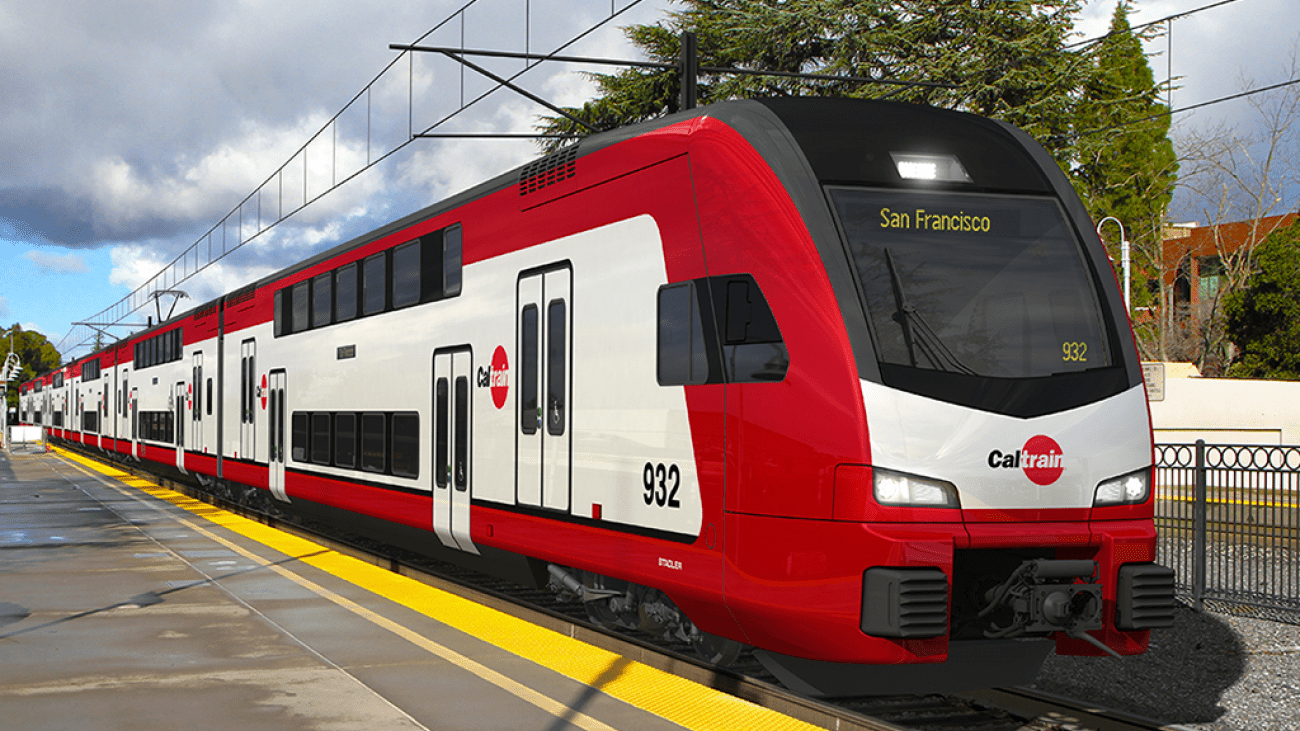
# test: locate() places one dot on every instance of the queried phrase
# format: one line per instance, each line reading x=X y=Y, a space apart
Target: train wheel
x=715 y=650
x=604 y=612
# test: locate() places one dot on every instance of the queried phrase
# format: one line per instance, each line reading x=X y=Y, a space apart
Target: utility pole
x=689 y=72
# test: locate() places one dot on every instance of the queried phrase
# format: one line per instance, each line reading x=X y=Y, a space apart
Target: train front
x=1005 y=506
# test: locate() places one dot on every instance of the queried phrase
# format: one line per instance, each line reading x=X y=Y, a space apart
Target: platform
x=126 y=605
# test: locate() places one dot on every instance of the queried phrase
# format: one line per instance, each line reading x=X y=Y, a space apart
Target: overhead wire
x=1171 y=112
x=1144 y=26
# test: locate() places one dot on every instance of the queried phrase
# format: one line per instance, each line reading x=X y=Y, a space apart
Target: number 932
x=1075 y=352
x=661 y=484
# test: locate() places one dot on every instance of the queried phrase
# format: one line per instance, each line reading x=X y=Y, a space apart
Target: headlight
x=897 y=488
x=1128 y=489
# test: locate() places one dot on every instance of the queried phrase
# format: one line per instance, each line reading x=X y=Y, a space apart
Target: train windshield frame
x=975 y=298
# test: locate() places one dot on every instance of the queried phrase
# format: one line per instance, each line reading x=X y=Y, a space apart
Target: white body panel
x=610 y=278
x=932 y=438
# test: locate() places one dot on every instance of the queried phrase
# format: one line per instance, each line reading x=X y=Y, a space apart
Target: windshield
x=979 y=285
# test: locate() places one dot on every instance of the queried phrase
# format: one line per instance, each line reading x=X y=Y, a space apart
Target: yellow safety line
x=1228 y=501
x=675 y=699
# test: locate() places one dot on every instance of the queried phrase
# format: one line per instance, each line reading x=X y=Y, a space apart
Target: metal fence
x=1229 y=523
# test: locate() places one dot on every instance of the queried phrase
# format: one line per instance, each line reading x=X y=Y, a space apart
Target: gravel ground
x=1209 y=672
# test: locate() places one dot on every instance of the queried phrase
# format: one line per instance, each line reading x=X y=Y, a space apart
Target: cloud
x=49 y=263
x=4 y=307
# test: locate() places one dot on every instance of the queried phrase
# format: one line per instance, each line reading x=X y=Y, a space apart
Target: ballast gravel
x=1209 y=672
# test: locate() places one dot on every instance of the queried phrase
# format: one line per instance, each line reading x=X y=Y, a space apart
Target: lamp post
x=8 y=372
x=1123 y=255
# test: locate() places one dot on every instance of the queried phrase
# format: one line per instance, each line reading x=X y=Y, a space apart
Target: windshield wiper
x=917 y=334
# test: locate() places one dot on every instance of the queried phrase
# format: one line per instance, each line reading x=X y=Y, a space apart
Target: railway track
x=998 y=709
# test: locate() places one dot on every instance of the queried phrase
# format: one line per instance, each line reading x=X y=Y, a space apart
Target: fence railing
x=1229 y=522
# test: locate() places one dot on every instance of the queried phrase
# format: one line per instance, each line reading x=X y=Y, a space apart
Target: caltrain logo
x=1041 y=459
x=498 y=378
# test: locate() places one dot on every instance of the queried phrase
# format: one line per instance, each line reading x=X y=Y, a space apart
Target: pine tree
x=1000 y=58
x=1125 y=165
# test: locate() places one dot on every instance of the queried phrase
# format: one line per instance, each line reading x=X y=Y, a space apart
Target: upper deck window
x=406 y=274
x=374 y=277
x=345 y=293
x=322 y=299
x=301 y=303
x=422 y=270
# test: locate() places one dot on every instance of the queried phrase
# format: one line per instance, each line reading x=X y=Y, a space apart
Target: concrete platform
x=125 y=605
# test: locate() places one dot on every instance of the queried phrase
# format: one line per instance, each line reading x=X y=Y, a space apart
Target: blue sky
x=128 y=130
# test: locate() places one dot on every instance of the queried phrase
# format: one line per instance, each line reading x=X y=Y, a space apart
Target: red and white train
x=849 y=382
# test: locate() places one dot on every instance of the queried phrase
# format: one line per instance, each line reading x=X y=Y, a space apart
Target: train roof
x=809 y=141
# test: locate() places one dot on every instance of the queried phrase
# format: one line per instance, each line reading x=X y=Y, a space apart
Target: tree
x=1233 y=176
x=1126 y=166
x=1263 y=317
x=1000 y=58
x=37 y=354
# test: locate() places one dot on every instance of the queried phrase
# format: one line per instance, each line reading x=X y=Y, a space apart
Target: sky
x=129 y=130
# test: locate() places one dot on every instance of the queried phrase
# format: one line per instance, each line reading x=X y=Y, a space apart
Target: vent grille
x=1145 y=597
x=905 y=602
x=241 y=296
x=549 y=170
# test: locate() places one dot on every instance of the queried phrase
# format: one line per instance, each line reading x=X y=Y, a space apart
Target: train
x=847 y=382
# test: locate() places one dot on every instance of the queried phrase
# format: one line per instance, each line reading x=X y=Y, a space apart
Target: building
x=1193 y=258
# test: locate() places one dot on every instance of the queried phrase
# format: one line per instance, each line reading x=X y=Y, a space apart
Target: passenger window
x=345 y=293
x=555 y=371
x=406 y=445
x=462 y=434
x=299 y=436
x=373 y=443
x=320 y=438
x=281 y=314
x=441 y=467
x=451 y=249
x=345 y=440
x=528 y=413
x=209 y=397
x=322 y=299
x=375 y=284
x=300 y=320
x=406 y=274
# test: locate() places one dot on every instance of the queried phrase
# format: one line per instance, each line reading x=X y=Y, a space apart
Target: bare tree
x=1230 y=176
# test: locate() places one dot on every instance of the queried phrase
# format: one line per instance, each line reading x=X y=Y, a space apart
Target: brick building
x=1193 y=257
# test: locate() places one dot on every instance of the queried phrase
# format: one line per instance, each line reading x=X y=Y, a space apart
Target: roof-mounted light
x=938 y=168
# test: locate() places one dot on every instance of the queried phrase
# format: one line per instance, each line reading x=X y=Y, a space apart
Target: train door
x=179 y=414
x=135 y=422
x=452 y=450
x=247 y=399
x=196 y=404
x=275 y=433
x=544 y=443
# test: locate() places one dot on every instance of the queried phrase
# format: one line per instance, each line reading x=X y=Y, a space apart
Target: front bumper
x=796 y=587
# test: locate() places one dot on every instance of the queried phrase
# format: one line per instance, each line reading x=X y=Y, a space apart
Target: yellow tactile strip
x=675 y=699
